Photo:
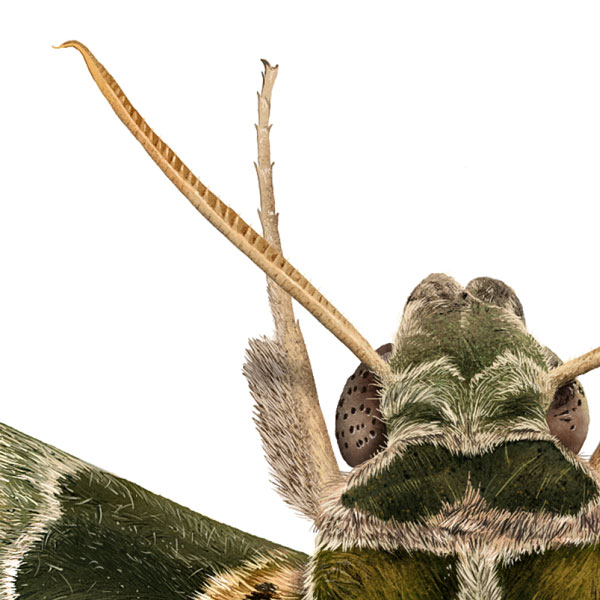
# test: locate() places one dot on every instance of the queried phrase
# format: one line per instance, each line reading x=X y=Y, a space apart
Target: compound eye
x=359 y=428
x=568 y=416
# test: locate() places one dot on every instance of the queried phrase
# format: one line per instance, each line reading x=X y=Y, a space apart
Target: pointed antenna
x=574 y=368
x=290 y=421
x=228 y=222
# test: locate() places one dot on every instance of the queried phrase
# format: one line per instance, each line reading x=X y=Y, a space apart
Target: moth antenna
x=227 y=221
x=574 y=368
x=288 y=415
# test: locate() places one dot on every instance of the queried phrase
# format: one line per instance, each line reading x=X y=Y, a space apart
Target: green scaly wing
x=71 y=530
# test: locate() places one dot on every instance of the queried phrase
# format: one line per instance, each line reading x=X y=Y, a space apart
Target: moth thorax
x=359 y=428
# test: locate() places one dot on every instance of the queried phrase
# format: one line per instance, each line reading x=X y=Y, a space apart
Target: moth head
x=451 y=338
x=471 y=405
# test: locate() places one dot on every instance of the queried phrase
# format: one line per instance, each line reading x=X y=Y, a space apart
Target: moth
x=462 y=435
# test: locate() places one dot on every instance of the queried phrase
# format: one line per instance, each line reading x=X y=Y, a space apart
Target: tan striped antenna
x=228 y=222
x=574 y=368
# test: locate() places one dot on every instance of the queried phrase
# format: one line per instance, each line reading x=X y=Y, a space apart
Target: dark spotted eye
x=359 y=428
x=568 y=416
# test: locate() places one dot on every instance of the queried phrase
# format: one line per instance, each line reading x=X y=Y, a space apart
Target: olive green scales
x=475 y=491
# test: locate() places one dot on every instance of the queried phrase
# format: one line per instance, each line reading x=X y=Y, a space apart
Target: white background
x=409 y=138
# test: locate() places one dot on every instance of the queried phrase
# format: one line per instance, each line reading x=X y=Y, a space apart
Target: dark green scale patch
x=116 y=540
x=473 y=336
x=362 y=574
x=414 y=485
x=532 y=476
x=567 y=573
x=524 y=475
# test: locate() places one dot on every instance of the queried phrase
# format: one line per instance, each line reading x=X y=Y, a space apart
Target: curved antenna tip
x=69 y=44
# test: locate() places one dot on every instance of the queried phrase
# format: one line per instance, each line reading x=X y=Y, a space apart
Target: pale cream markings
x=434 y=382
x=437 y=383
x=476 y=570
x=416 y=384
x=419 y=434
x=512 y=320
x=309 y=581
x=469 y=519
x=410 y=324
x=510 y=374
x=517 y=371
x=239 y=583
x=341 y=527
x=511 y=534
x=44 y=468
x=498 y=534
